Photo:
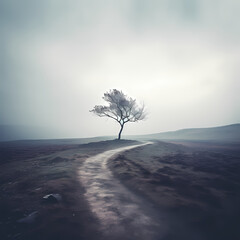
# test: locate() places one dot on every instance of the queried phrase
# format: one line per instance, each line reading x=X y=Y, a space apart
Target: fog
x=180 y=57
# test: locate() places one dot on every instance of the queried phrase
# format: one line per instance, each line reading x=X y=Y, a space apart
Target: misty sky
x=180 y=57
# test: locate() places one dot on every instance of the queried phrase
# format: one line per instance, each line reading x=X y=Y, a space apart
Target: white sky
x=180 y=57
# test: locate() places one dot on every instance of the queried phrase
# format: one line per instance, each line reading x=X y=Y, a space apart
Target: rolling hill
x=229 y=133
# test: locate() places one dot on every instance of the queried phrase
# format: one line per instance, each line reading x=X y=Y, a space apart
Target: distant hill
x=230 y=133
x=223 y=133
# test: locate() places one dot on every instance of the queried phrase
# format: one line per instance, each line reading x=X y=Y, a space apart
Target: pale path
x=120 y=212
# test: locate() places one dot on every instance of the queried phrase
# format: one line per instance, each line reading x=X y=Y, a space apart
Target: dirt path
x=122 y=214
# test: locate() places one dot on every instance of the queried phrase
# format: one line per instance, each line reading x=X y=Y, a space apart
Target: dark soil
x=195 y=186
x=31 y=171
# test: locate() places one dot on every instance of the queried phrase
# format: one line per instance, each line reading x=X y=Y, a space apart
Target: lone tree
x=121 y=108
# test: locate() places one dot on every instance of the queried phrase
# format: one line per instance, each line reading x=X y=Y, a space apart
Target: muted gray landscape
x=122 y=189
x=119 y=120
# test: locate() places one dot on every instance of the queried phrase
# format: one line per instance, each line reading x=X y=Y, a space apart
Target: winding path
x=120 y=212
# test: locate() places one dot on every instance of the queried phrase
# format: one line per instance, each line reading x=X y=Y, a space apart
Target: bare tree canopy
x=121 y=108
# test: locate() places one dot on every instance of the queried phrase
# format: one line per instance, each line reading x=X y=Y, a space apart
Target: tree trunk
x=120 y=132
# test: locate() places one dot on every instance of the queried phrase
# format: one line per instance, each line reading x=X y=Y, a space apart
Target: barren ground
x=191 y=189
x=195 y=186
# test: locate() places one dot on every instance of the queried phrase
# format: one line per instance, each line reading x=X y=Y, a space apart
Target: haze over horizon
x=180 y=57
